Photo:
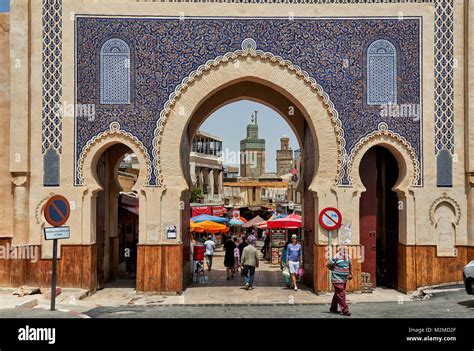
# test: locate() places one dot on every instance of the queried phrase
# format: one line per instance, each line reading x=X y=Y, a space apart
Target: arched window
x=381 y=73
x=115 y=72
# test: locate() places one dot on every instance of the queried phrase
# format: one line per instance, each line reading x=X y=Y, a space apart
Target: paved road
x=447 y=304
x=38 y=313
x=443 y=305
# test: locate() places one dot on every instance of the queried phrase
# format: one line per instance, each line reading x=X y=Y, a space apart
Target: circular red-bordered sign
x=57 y=210
x=330 y=218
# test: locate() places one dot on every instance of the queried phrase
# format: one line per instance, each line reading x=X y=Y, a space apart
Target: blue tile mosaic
x=163 y=51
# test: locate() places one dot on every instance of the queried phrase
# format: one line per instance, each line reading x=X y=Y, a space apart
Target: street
x=450 y=302
x=455 y=304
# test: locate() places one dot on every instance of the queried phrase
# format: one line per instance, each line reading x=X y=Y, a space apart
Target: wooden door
x=390 y=218
x=368 y=213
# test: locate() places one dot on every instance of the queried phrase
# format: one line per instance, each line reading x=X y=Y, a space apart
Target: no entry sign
x=330 y=218
x=57 y=210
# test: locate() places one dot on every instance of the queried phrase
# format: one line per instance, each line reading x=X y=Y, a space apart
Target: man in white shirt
x=210 y=247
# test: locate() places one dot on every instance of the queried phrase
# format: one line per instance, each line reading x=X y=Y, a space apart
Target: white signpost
x=52 y=233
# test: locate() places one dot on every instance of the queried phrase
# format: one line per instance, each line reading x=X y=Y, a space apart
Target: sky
x=4 y=5
x=230 y=123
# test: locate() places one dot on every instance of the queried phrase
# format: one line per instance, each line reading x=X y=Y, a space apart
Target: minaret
x=284 y=156
x=252 y=151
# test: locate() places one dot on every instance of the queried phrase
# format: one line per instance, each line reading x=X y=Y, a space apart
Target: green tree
x=196 y=194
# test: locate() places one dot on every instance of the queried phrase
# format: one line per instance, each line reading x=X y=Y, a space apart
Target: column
x=20 y=210
x=469 y=60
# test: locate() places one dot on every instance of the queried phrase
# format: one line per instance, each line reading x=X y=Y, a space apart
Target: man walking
x=340 y=267
x=242 y=245
x=249 y=261
x=210 y=247
x=252 y=238
x=294 y=254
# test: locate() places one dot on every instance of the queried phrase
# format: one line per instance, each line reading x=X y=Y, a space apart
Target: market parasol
x=294 y=216
x=194 y=227
x=253 y=222
x=262 y=225
x=235 y=221
x=204 y=217
x=213 y=227
x=286 y=223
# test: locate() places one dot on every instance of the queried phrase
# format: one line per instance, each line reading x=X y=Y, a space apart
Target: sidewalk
x=269 y=290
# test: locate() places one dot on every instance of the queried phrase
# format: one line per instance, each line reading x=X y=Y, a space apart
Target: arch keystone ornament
x=247 y=52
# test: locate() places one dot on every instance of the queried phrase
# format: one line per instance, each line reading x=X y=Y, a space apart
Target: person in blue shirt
x=294 y=255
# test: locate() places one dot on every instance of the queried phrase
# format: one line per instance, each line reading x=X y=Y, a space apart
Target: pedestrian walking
x=252 y=238
x=249 y=262
x=236 y=256
x=242 y=245
x=210 y=247
x=341 y=272
x=294 y=255
x=266 y=245
x=229 y=257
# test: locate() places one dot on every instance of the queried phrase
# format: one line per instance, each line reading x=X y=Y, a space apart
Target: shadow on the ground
x=122 y=283
x=467 y=303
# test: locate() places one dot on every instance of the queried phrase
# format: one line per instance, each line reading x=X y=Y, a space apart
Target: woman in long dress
x=229 y=257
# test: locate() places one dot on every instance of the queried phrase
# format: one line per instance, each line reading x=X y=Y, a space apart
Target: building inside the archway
x=246 y=175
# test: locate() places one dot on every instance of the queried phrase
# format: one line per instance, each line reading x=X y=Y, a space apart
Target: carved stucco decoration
x=114 y=132
x=383 y=130
x=440 y=200
x=248 y=50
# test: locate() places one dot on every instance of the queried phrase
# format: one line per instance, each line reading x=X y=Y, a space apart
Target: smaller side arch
x=402 y=150
x=445 y=199
x=91 y=153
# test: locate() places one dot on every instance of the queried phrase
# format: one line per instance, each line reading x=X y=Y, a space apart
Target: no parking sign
x=330 y=218
x=56 y=212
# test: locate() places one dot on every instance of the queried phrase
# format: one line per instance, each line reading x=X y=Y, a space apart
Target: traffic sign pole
x=56 y=212
x=53 y=278
x=329 y=256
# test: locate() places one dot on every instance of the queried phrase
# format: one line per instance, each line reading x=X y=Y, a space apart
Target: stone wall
x=6 y=203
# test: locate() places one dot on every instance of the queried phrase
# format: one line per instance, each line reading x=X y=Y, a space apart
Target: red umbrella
x=294 y=216
x=286 y=223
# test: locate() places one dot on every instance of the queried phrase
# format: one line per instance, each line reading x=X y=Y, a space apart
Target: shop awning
x=200 y=210
x=208 y=210
x=253 y=221
x=218 y=210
